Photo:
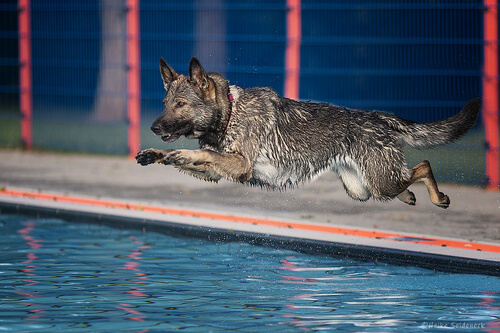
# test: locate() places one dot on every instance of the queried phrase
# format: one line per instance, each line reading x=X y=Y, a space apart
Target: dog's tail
x=439 y=132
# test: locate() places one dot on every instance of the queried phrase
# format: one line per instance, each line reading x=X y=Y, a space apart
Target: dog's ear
x=197 y=74
x=167 y=73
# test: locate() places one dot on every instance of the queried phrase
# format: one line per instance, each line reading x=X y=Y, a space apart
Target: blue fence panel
x=421 y=61
x=79 y=75
x=391 y=54
x=167 y=30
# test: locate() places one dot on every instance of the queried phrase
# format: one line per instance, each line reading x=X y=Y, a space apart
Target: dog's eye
x=181 y=104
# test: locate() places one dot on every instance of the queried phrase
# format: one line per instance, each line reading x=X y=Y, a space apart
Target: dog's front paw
x=179 y=157
x=149 y=156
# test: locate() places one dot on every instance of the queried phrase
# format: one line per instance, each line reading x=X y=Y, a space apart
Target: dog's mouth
x=171 y=137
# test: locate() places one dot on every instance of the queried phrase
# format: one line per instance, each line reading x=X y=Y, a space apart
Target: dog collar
x=231 y=101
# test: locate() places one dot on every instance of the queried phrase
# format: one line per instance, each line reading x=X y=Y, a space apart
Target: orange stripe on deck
x=257 y=221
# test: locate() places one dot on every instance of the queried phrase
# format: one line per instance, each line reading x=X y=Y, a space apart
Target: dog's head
x=192 y=104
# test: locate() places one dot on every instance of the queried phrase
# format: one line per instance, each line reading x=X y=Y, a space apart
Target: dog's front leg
x=152 y=155
x=230 y=166
x=201 y=171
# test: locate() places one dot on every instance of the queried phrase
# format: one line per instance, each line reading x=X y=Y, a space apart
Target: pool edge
x=401 y=249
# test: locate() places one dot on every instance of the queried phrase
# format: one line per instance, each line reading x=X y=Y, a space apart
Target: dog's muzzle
x=170 y=136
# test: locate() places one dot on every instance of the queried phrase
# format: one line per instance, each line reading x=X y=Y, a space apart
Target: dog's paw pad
x=148 y=156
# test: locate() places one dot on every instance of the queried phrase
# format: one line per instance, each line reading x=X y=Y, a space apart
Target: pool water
x=77 y=277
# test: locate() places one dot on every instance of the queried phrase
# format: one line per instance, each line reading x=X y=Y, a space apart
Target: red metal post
x=133 y=77
x=25 y=83
x=490 y=112
x=292 y=51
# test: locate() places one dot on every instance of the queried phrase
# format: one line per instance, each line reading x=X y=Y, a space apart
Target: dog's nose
x=156 y=128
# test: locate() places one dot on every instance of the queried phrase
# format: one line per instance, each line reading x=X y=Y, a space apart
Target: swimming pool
x=58 y=275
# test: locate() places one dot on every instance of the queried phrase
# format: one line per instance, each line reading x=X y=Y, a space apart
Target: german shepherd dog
x=254 y=136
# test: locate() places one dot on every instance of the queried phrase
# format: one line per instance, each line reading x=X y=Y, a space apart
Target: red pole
x=133 y=77
x=25 y=83
x=292 y=52
x=490 y=112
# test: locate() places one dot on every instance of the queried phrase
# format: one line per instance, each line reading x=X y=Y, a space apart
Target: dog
x=254 y=136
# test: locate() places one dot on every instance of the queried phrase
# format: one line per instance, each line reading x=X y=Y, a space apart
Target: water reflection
x=141 y=280
x=488 y=303
x=34 y=310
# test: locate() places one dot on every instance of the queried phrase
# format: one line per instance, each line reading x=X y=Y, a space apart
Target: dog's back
x=298 y=140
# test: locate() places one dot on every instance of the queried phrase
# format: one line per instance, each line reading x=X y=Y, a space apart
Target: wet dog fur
x=254 y=136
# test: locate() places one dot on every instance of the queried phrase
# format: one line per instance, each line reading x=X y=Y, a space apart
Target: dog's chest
x=268 y=171
x=265 y=171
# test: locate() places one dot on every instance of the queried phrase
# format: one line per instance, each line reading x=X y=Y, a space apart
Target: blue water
x=56 y=275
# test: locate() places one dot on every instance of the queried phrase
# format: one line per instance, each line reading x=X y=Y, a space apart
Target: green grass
x=10 y=133
x=86 y=137
x=149 y=140
x=461 y=162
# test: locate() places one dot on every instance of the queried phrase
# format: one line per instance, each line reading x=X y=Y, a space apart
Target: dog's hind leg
x=423 y=172
x=407 y=197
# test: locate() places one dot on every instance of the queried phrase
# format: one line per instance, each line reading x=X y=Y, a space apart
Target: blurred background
x=421 y=60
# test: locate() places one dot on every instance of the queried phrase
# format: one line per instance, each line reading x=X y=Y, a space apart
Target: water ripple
x=56 y=275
